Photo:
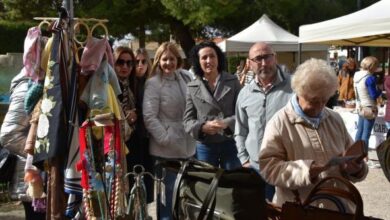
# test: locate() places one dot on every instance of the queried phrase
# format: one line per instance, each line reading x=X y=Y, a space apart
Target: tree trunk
x=183 y=35
x=141 y=36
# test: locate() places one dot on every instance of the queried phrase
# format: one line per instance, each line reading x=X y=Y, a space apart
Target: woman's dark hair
x=195 y=57
x=117 y=53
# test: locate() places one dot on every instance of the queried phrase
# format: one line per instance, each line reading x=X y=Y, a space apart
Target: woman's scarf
x=314 y=122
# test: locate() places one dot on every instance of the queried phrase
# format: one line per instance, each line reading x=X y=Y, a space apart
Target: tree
x=190 y=16
x=188 y=19
x=21 y=10
x=133 y=16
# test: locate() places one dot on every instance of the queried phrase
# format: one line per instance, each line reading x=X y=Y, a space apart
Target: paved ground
x=375 y=190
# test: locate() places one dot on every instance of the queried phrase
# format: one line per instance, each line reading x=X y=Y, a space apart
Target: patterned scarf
x=127 y=100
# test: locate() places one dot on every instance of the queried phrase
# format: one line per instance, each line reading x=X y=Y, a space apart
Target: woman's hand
x=131 y=116
x=353 y=167
x=213 y=127
x=315 y=170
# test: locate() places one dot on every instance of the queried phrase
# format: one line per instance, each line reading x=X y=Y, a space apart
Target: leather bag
x=368 y=112
x=304 y=211
x=205 y=192
x=383 y=152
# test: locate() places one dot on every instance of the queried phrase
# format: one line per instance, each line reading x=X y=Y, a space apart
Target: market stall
x=350 y=118
x=284 y=43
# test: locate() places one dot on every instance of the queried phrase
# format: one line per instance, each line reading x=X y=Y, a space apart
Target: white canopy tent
x=265 y=30
x=283 y=42
x=367 y=27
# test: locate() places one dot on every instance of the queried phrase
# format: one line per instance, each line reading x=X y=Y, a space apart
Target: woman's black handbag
x=203 y=191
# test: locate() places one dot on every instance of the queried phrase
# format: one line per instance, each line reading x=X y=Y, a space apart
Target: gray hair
x=314 y=77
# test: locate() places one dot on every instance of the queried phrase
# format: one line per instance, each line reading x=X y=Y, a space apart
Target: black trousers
x=30 y=214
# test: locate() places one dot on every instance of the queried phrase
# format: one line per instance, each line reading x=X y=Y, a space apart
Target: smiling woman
x=163 y=109
x=210 y=107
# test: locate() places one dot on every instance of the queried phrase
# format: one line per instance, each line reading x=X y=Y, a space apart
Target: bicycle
x=137 y=205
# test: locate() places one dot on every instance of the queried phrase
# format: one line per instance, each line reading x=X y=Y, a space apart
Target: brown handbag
x=368 y=112
x=304 y=211
x=383 y=152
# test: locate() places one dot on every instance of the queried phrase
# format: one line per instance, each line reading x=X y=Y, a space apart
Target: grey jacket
x=16 y=124
x=201 y=106
x=253 y=110
x=163 y=108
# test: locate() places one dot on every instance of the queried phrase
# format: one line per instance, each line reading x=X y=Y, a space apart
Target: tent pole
x=299 y=54
x=388 y=60
x=68 y=5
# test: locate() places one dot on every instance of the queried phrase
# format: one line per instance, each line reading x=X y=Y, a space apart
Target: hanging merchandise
x=91 y=171
x=51 y=131
x=32 y=54
x=101 y=168
x=56 y=114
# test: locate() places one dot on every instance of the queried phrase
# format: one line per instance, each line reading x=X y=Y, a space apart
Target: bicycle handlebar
x=139 y=171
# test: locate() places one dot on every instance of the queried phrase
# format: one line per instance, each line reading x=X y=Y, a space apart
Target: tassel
x=88 y=211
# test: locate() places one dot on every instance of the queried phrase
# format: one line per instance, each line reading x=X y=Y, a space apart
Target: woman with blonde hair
x=139 y=140
x=163 y=109
x=366 y=92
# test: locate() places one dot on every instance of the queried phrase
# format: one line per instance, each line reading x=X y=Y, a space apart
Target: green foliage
x=126 y=16
x=19 y=10
x=233 y=62
x=12 y=35
x=186 y=18
x=198 y=13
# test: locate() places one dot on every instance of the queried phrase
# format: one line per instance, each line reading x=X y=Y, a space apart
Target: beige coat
x=290 y=146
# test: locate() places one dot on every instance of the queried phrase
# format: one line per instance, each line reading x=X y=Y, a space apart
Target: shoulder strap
x=211 y=195
x=176 y=190
x=185 y=77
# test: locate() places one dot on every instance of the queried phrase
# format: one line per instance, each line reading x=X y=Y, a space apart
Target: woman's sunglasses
x=121 y=62
x=143 y=62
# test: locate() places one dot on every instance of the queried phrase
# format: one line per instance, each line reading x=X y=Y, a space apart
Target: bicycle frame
x=137 y=205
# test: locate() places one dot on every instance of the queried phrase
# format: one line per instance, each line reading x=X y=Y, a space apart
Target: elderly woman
x=366 y=94
x=163 y=109
x=210 y=109
x=304 y=135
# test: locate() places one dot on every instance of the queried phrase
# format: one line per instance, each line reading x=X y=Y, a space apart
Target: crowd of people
x=263 y=118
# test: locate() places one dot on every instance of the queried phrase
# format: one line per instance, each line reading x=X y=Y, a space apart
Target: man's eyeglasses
x=143 y=62
x=260 y=58
x=121 y=62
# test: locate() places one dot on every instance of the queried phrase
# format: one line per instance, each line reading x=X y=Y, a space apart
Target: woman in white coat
x=163 y=108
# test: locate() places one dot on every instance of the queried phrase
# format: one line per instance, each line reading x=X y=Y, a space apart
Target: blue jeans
x=364 y=130
x=222 y=155
x=164 y=212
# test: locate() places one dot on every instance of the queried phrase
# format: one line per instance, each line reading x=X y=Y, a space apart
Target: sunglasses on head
x=143 y=62
x=122 y=62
